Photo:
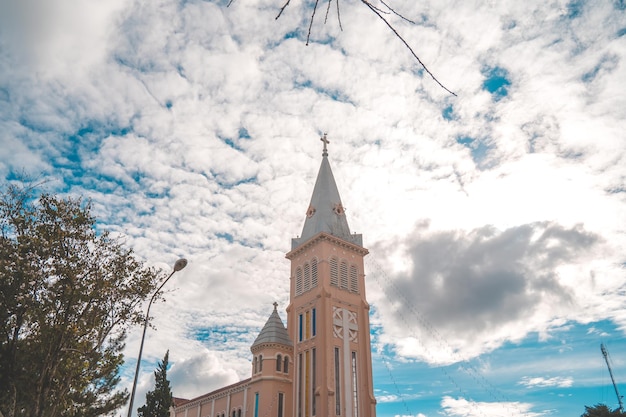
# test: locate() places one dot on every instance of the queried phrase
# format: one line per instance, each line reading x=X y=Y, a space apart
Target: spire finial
x=326 y=142
x=275 y=305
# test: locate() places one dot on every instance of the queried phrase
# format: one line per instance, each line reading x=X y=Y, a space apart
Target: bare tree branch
x=394 y=12
x=378 y=12
x=339 y=16
x=327 y=10
x=376 y=8
x=281 y=9
x=308 y=36
x=373 y=9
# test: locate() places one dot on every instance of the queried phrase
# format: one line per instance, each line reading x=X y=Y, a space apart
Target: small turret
x=272 y=349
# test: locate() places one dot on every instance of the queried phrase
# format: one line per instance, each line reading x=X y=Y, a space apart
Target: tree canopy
x=158 y=401
x=601 y=410
x=67 y=298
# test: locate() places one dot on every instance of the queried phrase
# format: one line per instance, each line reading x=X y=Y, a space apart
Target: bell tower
x=328 y=314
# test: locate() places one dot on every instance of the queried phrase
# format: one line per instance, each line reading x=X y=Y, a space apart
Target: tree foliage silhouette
x=601 y=410
x=158 y=401
x=67 y=298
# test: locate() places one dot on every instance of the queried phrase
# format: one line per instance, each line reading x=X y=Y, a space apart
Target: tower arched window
x=254 y=367
x=334 y=272
x=344 y=275
x=354 y=279
x=286 y=365
x=279 y=362
x=314 y=273
x=299 y=281
x=307 y=277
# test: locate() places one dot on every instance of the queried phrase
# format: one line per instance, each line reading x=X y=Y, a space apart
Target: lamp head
x=180 y=264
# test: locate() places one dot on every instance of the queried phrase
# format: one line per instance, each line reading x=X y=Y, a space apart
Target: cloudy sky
x=495 y=218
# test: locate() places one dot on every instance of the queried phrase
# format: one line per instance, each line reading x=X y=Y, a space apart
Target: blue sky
x=495 y=218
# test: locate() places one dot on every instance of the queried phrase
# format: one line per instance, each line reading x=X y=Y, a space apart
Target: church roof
x=326 y=212
x=274 y=331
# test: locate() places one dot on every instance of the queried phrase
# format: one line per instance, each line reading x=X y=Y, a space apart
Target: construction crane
x=605 y=353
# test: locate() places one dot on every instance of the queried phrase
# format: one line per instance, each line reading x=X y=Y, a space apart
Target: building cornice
x=214 y=395
x=262 y=346
x=323 y=236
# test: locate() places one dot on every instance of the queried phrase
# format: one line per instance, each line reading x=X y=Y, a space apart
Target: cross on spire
x=326 y=142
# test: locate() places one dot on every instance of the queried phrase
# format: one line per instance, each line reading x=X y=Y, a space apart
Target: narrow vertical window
x=307 y=277
x=313 y=382
x=337 y=385
x=314 y=273
x=307 y=324
x=313 y=323
x=354 y=279
x=355 y=389
x=260 y=363
x=256 y=404
x=234 y=413
x=281 y=403
x=255 y=365
x=239 y=413
x=307 y=383
x=299 y=385
x=279 y=362
x=298 y=281
x=286 y=366
x=343 y=272
x=300 y=329
x=334 y=273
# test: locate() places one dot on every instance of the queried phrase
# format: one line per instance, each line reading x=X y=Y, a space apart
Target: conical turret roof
x=326 y=212
x=274 y=331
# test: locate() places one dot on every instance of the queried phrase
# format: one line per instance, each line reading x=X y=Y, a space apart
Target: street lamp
x=180 y=264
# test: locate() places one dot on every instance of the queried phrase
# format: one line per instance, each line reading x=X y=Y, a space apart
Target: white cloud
x=467 y=408
x=539 y=381
x=194 y=130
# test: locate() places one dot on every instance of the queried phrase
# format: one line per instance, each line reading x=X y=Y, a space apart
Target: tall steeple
x=320 y=365
x=326 y=213
x=328 y=314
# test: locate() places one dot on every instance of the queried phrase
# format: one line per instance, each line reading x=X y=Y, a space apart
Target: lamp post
x=180 y=264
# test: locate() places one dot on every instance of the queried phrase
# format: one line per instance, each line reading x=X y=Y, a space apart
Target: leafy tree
x=67 y=298
x=159 y=401
x=601 y=410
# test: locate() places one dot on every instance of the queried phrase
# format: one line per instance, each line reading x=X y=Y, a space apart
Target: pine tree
x=159 y=401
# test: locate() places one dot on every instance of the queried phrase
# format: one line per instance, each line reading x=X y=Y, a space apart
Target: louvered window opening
x=343 y=271
x=340 y=278
x=334 y=273
x=299 y=281
x=307 y=277
x=354 y=279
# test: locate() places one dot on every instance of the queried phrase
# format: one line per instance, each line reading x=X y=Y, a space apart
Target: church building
x=320 y=364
